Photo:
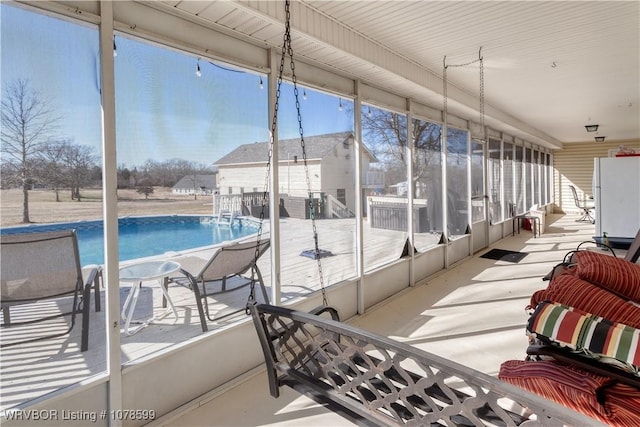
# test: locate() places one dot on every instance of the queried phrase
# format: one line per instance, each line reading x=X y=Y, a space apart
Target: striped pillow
x=594 y=395
x=616 y=274
x=580 y=331
x=574 y=292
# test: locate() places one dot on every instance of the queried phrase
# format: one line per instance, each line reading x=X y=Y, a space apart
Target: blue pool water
x=147 y=236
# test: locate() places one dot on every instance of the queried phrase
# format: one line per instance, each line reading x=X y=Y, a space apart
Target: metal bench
x=373 y=380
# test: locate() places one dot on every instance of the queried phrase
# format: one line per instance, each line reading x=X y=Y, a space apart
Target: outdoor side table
x=535 y=223
x=144 y=272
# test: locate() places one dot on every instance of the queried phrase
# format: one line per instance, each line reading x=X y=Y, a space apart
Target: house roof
x=316 y=147
x=202 y=181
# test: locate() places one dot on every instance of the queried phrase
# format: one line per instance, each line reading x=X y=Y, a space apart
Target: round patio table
x=144 y=272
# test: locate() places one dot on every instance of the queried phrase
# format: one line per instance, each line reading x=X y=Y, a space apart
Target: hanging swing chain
x=444 y=89
x=482 y=122
x=465 y=64
x=287 y=49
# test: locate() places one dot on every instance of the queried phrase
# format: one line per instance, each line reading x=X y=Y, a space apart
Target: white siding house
x=330 y=164
x=200 y=185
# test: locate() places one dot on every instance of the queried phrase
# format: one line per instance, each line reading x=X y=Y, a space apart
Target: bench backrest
x=39 y=265
x=387 y=382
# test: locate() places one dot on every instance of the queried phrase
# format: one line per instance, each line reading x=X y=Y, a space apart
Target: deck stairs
x=337 y=209
x=229 y=208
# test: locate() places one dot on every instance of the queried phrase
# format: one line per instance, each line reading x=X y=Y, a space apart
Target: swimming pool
x=147 y=235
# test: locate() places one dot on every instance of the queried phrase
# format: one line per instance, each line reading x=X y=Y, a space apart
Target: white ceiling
x=550 y=66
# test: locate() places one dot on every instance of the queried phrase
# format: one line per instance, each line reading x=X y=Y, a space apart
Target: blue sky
x=163 y=110
x=38 y=48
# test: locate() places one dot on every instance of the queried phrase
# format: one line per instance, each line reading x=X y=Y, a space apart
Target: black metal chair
x=586 y=209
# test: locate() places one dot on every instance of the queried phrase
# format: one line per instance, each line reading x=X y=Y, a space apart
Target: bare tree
x=386 y=136
x=27 y=123
x=145 y=187
x=124 y=177
x=53 y=170
x=80 y=160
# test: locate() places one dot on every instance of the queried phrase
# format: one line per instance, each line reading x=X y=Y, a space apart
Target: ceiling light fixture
x=591 y=128
x=261 y=84
x=600 y=138
x=198 y=71
x=340 y=104
x=115 y=50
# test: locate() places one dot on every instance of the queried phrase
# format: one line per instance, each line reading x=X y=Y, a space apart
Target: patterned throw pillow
x=615 y=274
x=594 y=395
x=575 y=292
x=593 y=335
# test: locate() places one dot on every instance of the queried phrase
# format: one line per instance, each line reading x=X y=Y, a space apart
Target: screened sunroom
x=378 y=146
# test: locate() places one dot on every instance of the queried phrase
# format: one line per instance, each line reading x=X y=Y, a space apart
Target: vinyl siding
x=292 y=177
x=573 y=165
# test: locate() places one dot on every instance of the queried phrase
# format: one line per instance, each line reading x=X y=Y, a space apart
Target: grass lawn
x=43 y=207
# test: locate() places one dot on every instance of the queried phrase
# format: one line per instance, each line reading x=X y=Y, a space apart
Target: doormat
x=504 y=255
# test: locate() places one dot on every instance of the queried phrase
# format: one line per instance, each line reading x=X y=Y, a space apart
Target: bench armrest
x=386 y=382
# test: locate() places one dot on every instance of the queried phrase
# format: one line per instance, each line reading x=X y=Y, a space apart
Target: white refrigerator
x=616 y=190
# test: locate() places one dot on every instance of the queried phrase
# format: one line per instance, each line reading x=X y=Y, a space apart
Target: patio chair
x=44 y=266
x=234 y=263
x=586 y=209
x=633 y=253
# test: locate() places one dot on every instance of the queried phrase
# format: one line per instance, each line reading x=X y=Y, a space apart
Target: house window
x=457 y=188
x=508 y=179
x=528 y=164
x=519 y=179
x=427 y=184
x=477 y=181
x=494 y=179
x=341 y=195
x=385 y=135
x=74 y=153
x=322 y=177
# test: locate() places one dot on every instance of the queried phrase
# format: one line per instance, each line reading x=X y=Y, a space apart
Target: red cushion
x=575 y=292
x=576 y=388
x=616 y=274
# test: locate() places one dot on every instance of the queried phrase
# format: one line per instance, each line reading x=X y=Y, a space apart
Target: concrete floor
x=473 y=314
